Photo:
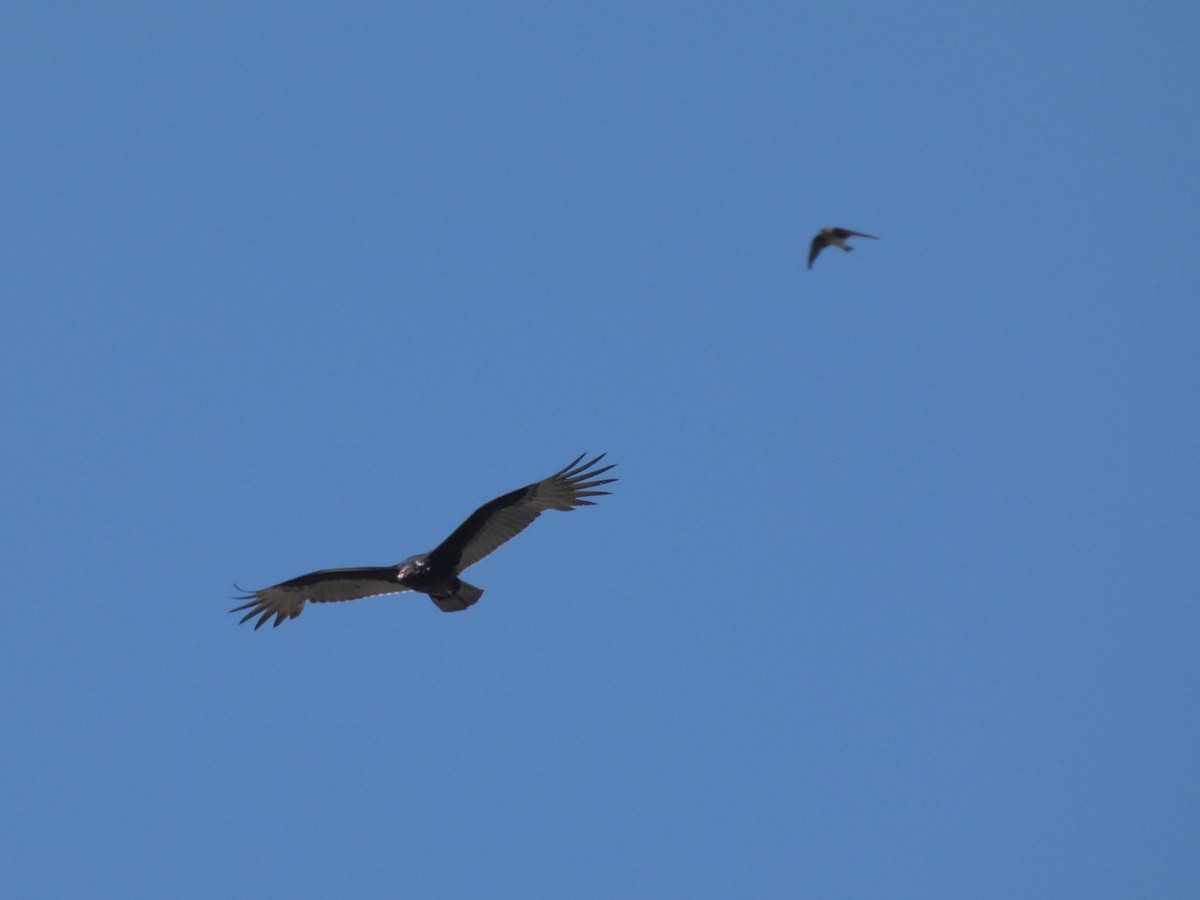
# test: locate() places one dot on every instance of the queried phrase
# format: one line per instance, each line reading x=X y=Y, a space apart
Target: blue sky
x=897 y=593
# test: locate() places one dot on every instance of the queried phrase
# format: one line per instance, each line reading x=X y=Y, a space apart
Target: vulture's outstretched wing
x=506 y=517
x=286 y=600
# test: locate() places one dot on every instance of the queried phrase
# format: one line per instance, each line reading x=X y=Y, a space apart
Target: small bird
x=833 y=237
x=435 y=573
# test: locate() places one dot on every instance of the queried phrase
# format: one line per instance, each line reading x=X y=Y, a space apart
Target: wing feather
x=286 y=600
x=507 y=516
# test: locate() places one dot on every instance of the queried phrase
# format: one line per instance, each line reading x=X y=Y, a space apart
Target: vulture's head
x=412 y=568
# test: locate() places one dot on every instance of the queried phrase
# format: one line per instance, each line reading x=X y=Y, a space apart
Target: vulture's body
x=436 y=573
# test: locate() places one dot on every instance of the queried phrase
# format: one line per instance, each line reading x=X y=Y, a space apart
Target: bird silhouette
x=833 y=237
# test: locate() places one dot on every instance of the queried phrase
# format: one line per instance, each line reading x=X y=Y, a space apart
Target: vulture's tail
x=464 y=595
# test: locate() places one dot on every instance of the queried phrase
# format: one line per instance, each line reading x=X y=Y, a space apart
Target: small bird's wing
x=505 y=517
x=286 y=600
x=846 y=232
x=819 y=243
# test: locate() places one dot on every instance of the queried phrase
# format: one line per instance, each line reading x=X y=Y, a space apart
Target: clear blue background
x=897 y=594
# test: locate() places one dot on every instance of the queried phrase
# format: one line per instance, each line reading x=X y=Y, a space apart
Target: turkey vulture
x=436 y=573
x=833 y=237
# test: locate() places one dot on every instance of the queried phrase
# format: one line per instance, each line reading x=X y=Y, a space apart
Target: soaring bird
x=436 y=573
x=833 y=237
